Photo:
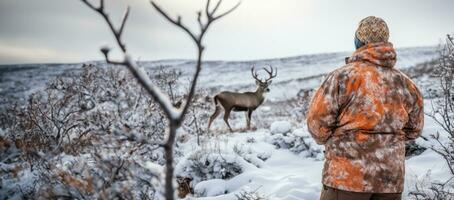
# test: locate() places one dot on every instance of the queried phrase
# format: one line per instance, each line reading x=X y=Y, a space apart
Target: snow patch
x=280 y=127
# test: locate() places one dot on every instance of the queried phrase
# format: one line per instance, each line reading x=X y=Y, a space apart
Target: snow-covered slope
x=294 y=73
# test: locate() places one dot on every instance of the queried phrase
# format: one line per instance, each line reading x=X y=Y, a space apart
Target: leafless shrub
x=100 y=119
x=204 y=165
x=298 y=142
x=101 y=177
x=425 y=189
x=196 y=121
x=52 y=121
x=249 y=195
x=443 y=113
x=301 y=104
x=169 y=80
x=73 y=111
x=443 y=105
x=184 y=186
x=421 y=69
x=304 y=97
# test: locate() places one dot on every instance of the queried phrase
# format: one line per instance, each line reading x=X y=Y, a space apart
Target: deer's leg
x=249 y=114
x=216 y=113
x=247 y=119
x=226 y=117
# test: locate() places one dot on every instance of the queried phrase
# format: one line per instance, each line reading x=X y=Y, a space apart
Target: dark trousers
x=329 y=193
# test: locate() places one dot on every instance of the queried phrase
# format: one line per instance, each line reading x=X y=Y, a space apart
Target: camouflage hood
x=380 y=54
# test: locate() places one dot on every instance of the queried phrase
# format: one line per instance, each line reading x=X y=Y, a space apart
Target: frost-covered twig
x=249 y=195
x=175 y=116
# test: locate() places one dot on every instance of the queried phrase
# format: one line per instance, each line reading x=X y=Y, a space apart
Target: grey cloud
x=258 y=29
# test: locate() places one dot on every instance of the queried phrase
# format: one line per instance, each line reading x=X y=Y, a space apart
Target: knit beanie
x=372 y=29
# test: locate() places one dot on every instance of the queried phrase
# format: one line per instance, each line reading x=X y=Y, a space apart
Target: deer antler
x=270 y=73
x=255 y=75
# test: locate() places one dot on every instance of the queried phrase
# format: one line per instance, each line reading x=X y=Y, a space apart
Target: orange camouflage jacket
x=363 y=113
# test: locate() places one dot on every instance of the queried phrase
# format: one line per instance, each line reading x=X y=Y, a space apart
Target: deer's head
x=263 y=84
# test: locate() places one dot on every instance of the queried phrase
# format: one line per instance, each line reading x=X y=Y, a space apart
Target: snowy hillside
x=294 y=73
x=277 y=161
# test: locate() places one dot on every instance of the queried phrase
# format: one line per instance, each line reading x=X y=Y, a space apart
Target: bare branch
x=207 y=8
x=125 y=17
x=117 y=33
x=176 y=22
x=227 y=12
x=199 y=19
x=105 y=52
x=216 y=7
x=210 y=15
x=101 y=5
x=91 y=5
x=450 y=39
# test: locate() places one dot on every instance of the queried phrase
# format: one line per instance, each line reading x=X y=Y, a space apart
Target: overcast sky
x=35 y=31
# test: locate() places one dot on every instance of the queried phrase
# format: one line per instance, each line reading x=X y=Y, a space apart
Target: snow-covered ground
x=283 y=175
x=287 y=175
x=279 y=160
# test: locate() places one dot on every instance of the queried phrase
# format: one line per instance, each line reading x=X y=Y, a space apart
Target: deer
x=243 y=102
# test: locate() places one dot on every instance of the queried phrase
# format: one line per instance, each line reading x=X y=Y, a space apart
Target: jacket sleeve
x=323 y=110
x=414 y=126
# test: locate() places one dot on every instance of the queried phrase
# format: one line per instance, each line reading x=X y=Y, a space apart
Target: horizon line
x=208 y=60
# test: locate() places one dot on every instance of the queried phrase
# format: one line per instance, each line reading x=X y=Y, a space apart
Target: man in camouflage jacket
x=363 y=113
